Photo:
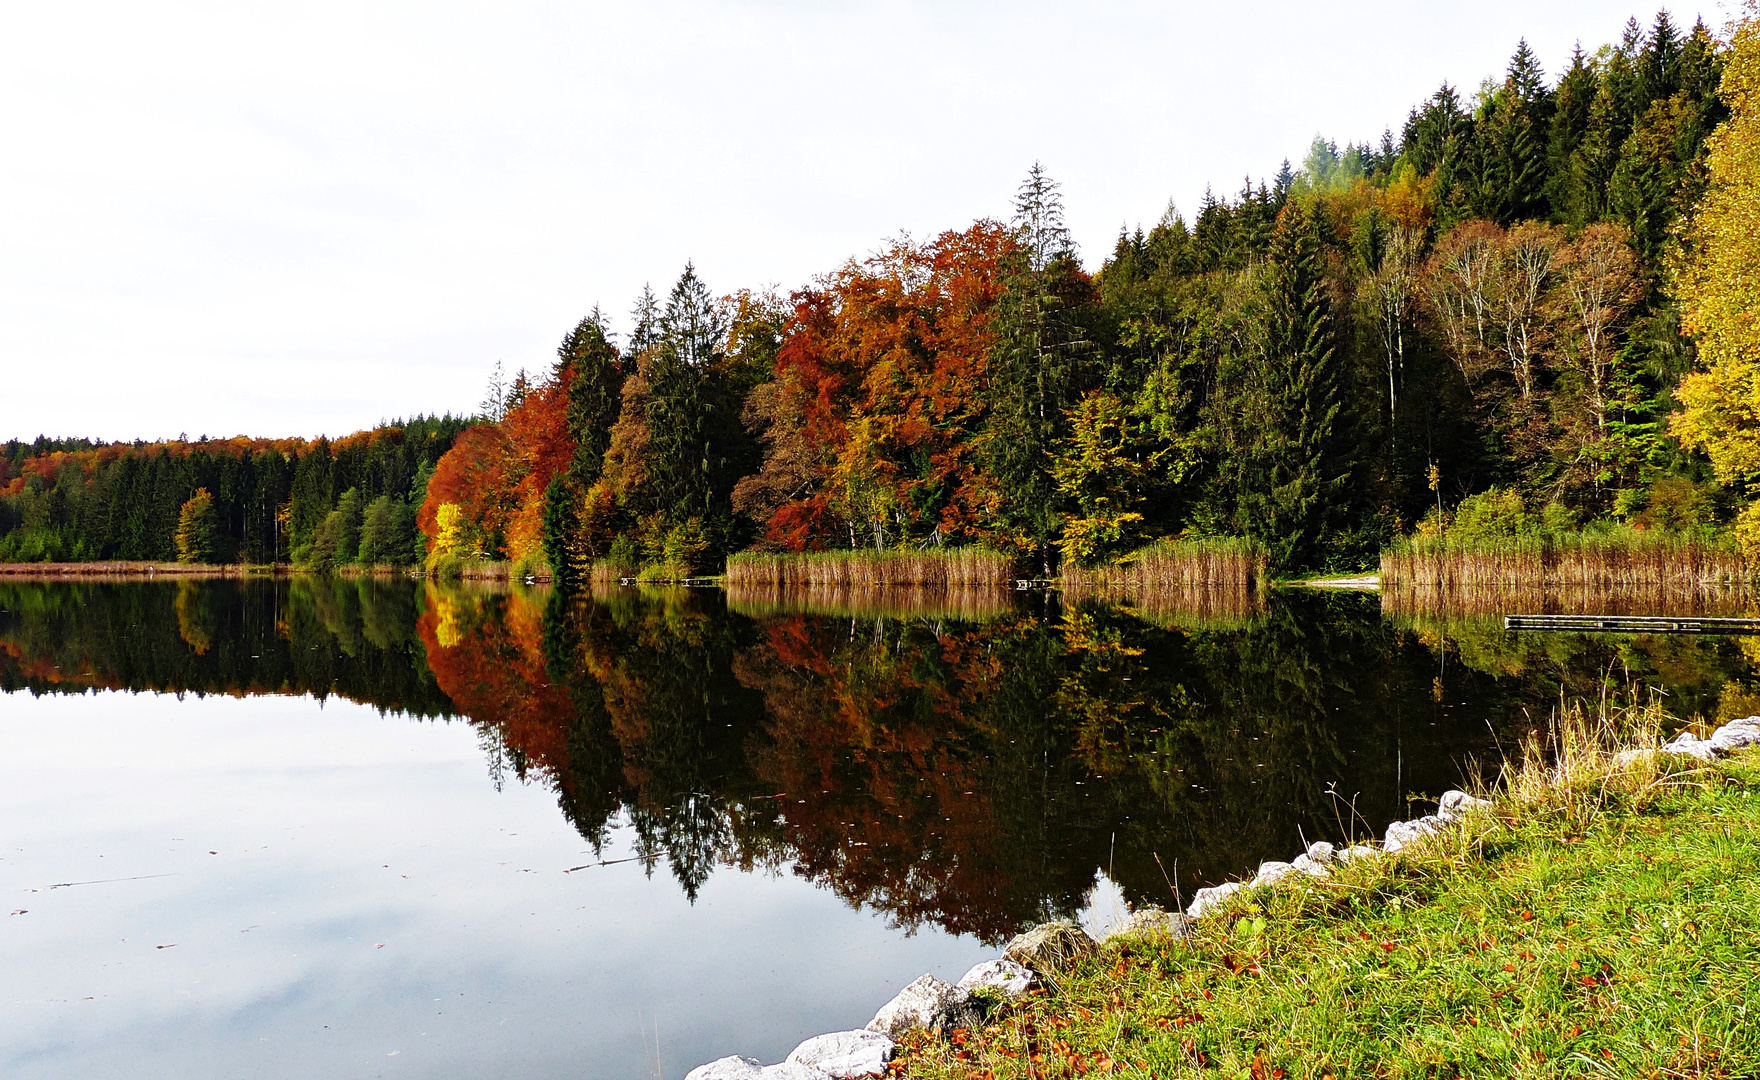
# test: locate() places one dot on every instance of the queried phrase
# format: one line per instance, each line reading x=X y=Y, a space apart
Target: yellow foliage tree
x=1716 y=277
x=197 y=529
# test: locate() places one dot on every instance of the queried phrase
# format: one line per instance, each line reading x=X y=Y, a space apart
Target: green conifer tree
x=1291 y=473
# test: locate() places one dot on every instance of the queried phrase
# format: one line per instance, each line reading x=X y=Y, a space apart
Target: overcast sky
x=300 y=218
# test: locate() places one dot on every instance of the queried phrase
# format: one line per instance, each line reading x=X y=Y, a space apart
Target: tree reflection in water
x=975 y=767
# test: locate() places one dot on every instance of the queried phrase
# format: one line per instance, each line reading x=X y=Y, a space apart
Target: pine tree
x=588 y=365
x=1038 y=367
x=681 y=458
x=1291 y=473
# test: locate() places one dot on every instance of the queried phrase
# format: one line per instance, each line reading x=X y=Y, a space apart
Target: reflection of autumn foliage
x=495 y=673
x=975 y=776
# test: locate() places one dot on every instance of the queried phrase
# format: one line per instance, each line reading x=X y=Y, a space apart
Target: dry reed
x=1206 y=563
x=1616 y=559
x=929 y=567
x=1587 y=758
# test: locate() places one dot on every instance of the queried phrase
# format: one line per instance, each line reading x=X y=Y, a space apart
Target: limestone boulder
x=1008 y=978
x=1306 y=864
x=1456 y=805
x=1207 y=901
x=930 y=1004
x=1270 y=873
x=1692 y=746
x=728 y=1068
x=1732 y=737
x=1050 y=946
x=788 y=1070
x=1402 y=834
x=1151 y=922
x=845 y=1055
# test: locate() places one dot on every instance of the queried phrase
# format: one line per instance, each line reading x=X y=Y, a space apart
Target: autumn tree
x=1717 y=280
x=196 y=529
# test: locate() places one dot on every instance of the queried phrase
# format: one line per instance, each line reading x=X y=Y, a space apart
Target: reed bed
x=964 y=603
x=1205 y=563
x=1618 y=559
x=929 y=567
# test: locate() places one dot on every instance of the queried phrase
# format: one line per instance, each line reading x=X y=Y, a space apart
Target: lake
x=381 y=827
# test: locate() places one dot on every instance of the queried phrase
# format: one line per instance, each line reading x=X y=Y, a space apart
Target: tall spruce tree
x=682 y=460
x=1037 y=366
x=1292 y=473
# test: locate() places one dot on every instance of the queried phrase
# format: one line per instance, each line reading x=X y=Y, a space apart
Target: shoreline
x=1601 y=910
x=1267 y=977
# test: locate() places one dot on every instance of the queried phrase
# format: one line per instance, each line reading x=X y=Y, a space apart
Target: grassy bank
x=1600 y=921
x=866 y=568
x=1207 y=563
x=1613 y=558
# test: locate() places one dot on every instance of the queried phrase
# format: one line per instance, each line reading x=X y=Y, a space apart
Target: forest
x=315 y=503
x=1520 y=312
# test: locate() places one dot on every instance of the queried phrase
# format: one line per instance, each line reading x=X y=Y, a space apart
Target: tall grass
x=1618 y=558
x=932 y=567
x=1204 y=563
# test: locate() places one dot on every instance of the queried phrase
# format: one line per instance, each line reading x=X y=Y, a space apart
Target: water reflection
x=973 y=762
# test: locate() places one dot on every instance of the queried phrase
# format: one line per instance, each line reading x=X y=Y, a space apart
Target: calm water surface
x=382 y=828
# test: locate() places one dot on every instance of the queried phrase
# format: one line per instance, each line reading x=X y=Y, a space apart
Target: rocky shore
x=935 y=1006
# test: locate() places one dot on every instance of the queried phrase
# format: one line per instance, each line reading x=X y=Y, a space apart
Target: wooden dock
x=1632 y=624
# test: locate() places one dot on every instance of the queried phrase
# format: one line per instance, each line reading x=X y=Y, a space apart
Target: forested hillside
x=1478 y=305
x=222 y=500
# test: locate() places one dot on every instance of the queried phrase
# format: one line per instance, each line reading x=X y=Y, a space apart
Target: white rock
x=1049 y=946
x=1321 y=852
x=1691 y=746
x=1455 y=805
x=728 y=1068
x=1355 y=852
x=1402 y=833
x=844 y=1055
x=1746 y=721
x=927 y=1003
x=1306 y=865
x=1205 y=901
x=790 y=1071
x=1151 y=921
x=1270 y=873
x=1005 y=975
x=1731 y=737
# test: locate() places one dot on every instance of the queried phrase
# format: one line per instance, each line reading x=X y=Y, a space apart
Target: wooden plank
x=1633 y=624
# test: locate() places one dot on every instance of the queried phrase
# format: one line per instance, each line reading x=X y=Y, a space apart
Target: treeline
x=318 y=503
x=1504 y=296
x=1315 y=364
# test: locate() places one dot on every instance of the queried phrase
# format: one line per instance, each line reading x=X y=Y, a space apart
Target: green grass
x=1620 y=943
